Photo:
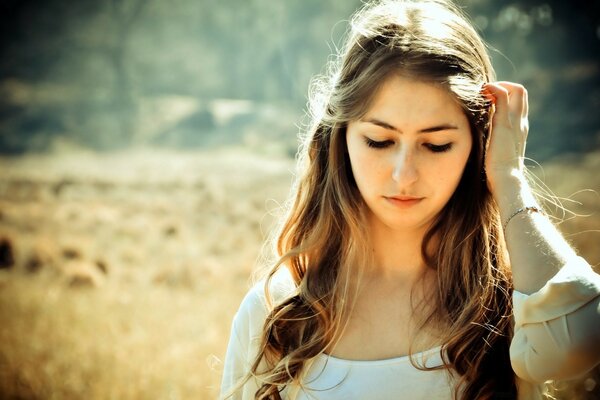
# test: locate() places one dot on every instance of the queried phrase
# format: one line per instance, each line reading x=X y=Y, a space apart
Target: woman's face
x=408 y=152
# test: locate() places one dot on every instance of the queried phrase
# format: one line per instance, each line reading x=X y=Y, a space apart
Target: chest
x=382 y=327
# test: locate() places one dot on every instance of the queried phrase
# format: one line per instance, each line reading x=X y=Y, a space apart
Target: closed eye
x=438 y=148
x=378 y=145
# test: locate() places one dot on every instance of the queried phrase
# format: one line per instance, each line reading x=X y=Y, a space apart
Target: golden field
x=127 y=268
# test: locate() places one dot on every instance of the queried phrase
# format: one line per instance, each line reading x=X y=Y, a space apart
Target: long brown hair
x=322 y=240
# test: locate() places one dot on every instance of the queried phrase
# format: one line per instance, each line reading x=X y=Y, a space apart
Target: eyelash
x=432 y=147
x=439 y=149
x=378 y=145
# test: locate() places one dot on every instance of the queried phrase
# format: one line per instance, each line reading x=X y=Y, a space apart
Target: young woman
x=415 y=262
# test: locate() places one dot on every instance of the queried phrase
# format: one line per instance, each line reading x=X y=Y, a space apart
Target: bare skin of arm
x=536 y=248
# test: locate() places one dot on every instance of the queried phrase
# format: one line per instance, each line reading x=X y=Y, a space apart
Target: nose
x=405 y=168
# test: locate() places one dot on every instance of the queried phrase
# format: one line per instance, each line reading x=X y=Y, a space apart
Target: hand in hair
x=508 y=133
x=536 y=248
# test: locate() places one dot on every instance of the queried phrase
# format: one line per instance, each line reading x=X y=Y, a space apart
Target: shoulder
x=255 y=307
x=246 y=332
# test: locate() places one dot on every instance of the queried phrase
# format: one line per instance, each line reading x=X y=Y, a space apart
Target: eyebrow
x=390 y=127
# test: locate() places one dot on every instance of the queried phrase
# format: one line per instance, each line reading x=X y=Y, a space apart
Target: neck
x=396 y=254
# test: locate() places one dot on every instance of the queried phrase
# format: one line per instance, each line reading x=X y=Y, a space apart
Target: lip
x=404 y=201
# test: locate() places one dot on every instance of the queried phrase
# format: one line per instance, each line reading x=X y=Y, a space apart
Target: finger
x=517 y=99
x=526 y=104
x=488 y=96
x=500 y=94
x=518 y=108
x=526 y=119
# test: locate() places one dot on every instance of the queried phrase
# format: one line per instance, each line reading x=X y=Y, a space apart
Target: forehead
x=411 y=101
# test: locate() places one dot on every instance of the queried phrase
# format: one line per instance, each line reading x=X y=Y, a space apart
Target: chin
x=404 y=223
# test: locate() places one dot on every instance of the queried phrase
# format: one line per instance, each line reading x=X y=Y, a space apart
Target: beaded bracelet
x=528 y=209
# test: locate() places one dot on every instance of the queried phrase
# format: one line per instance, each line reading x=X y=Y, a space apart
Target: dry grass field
x=120 y=273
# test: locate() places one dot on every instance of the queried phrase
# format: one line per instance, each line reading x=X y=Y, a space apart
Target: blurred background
x=146 y=148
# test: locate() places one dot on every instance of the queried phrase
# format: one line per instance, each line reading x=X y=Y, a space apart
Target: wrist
x=512 y=192
x=526 y=209
x=506 y=180
x=505 y=183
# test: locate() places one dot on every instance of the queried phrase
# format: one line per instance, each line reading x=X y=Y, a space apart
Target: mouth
x=404 y=201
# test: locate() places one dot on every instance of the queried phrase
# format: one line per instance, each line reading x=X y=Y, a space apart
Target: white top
x=337 y=379
x=557 y=336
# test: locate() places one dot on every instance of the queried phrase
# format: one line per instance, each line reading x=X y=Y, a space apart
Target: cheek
x=365 y=168
x=449 y=172
x=360 y=170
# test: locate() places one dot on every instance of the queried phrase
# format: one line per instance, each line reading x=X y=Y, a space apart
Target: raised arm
x=557 y=294
x=536 y=249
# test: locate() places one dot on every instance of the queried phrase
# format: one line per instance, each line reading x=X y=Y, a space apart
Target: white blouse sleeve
x=233 y=369
x=241 y=350
x=557 y=328
x=246 y=334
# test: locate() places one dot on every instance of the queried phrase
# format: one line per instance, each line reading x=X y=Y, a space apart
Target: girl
x=414 y=261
